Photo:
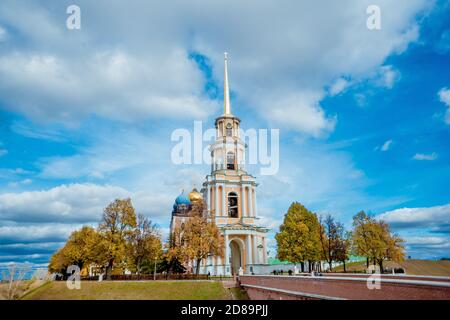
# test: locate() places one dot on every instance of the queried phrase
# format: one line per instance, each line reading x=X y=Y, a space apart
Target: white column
x=250 y=201
x=224 y=212
x=216 y=201
x=264 y=250
x=255 y=249
x=255 y=210
x=227 y=255
x=249 y=252
x=208 y=198
x=244 y=205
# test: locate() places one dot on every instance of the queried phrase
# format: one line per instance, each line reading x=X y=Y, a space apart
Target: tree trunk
x=302 y=266
x=345 y=270
x=109 y=269
x=197 y=269
x=367 y=263
x=381 y=266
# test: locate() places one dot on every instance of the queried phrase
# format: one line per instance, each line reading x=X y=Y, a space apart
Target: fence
x=137 y=277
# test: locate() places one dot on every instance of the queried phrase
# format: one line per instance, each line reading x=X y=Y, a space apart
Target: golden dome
x=194 y=195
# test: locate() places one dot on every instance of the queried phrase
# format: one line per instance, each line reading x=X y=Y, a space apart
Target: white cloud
x=303 y=113
x=76 y=203
x=387 y=76
x=437 y=217
x=91 y=72
x=444 y=97
x=65 y=203
x=121 y=86
x=109 y=152
x=36 y=233
x=425 y=157
x=428 y=241
x=338 y=86
x=387 y=145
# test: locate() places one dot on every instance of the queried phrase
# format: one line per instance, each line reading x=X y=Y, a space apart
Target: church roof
x=182 y=199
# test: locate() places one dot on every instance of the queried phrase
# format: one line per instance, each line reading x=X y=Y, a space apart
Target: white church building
x=229 y=192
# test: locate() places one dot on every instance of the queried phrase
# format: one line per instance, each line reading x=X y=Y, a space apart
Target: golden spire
x=226 y=91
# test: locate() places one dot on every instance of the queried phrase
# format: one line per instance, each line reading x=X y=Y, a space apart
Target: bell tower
x=230 y=194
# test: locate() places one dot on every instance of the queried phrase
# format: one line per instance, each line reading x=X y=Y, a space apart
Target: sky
x=86 y=116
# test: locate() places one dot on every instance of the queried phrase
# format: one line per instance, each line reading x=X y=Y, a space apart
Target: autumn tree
x=196 y=239
x=145 y=244
x=388 y=246
x=200 y=238
x=329 y=239
x=374 y=240
x=78 y=250
x=362 y=236
x=58 y=262
x=78 y=247
x=299 y=237
x=116 y=226
x=343 y=246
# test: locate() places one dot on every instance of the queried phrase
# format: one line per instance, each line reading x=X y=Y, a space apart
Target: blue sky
x=86 y=115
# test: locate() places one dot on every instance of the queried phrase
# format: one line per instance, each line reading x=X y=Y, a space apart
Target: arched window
x=232 y=205
x=230 y=160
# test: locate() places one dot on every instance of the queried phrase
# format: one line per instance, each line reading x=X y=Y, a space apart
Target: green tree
x=115 y=228
x=299 y=237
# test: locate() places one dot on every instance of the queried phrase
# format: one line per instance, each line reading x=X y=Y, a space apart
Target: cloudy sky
x=86 y=115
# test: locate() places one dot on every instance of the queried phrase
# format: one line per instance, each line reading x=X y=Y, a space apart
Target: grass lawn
x=139 y=290
x=412 y=267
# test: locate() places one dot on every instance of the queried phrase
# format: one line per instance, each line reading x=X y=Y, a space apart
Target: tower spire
x=226 y=90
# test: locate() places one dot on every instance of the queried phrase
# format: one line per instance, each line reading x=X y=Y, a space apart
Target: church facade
x=229 y=193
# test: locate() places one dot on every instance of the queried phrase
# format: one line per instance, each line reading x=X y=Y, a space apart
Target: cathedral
x=229 y=193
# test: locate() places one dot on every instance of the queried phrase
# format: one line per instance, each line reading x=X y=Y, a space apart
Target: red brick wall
x=347 y=289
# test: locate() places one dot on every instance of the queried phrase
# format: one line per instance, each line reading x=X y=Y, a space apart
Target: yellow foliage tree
x=374 y=240
x=145 y=244
x=195 y=240
x=118 y=222
x=299 y=237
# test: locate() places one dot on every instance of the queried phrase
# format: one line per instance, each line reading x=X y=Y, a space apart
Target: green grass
x=142 y=290
x=412 y=267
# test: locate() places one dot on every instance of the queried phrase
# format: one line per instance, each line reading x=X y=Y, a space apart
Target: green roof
x=350 y=259
x=276 y=261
